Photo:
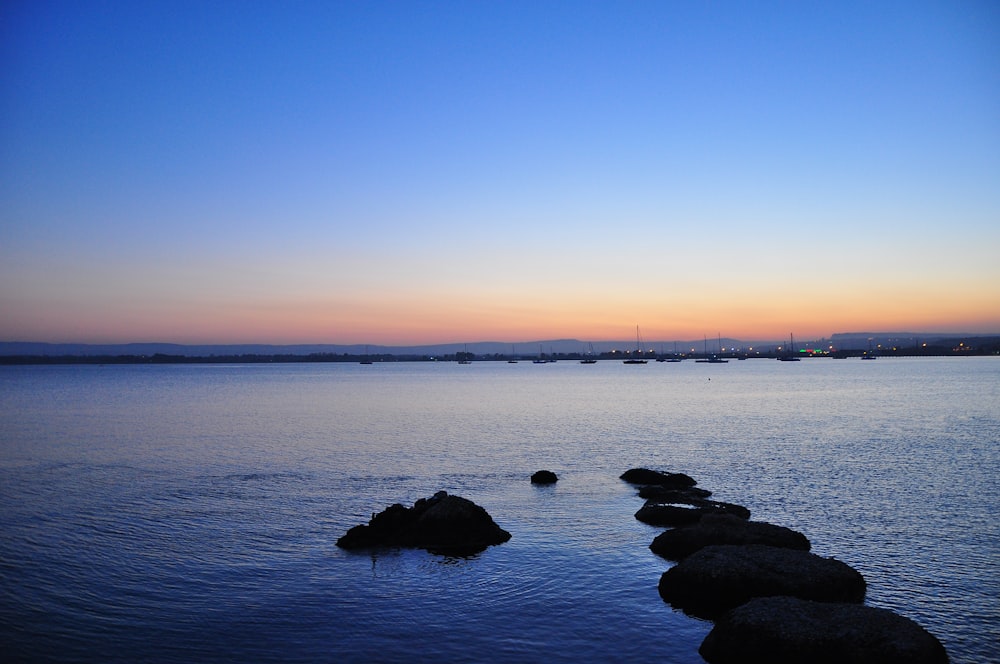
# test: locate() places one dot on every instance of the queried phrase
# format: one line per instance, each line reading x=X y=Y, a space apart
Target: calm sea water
x=189 y=513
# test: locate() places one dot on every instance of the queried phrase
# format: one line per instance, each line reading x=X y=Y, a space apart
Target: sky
x=432 y=172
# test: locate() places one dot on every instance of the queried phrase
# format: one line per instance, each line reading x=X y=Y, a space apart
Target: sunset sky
x=421 y=172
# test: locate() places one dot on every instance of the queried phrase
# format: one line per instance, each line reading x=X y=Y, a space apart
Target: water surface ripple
x=189 y=513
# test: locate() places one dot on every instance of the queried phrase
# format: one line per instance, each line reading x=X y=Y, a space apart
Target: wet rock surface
x=773 y=600
x=442 y=524
x=656 y=513
x=658 y=478
x=712 y=529
x=721 y=577
x=786 y=630
x=667 y=495
x=544 y=477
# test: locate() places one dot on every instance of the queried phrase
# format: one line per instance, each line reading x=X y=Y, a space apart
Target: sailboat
x=713 y=359
x=669 y=358
x=465 y=357
x=366 y=359
x=790 y=356
x=589 y=359
x=513 y=357
x=540 y=359
x=676 y=356
x=638 y=350
x=870 y=354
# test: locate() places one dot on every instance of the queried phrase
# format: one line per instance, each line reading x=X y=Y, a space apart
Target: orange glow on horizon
x=469 y=314
x=402 y=329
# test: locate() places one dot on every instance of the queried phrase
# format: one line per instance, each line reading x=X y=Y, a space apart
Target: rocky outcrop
x=712 y=529
x=443 y=524
x=721 y=577
x=544 y=477
x=773 y=600
x=789 y=630
x=657 y=478
x=674 y=500
x=656 y=513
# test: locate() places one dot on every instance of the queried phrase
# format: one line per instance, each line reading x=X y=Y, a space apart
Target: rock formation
x=443 y=524
x=679 y=543
x=667 y=495
x=721 y=577
x=772 y=599
x=657 y=478
x=655 y=513
x=789 y=630
x=544 y=477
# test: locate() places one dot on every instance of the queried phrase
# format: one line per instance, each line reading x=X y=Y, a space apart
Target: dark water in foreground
x=189 y=513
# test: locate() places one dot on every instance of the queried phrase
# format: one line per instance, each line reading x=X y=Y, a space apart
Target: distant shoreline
x=382 y=358
x=841 y=344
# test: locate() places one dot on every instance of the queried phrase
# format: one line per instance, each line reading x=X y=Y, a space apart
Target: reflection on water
x=179 y=513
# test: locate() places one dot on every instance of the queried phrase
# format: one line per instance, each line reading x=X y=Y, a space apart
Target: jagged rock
x=655 y=513
x=789 y=630
x=646 y=476
x=720 y=577
x=448 y=525
x=724 y=529
x=544 y=477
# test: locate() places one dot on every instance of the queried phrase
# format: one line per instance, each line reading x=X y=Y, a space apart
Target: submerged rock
x=448 y=525
x=658 y=478
x=656 y=513
x=712 y=529
x=720 y=577
x=544 y=477
x=787 y=630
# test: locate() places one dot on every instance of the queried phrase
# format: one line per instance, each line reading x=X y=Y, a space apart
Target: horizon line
x=910 y=334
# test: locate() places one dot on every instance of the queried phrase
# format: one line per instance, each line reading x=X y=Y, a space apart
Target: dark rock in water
x=656 y=513
x=544 y=477
x=646 y=476
x=720 y=577
x=789 y=630
x=724 y=529
x=448 y=525
x=668 y=515
x=666 y=495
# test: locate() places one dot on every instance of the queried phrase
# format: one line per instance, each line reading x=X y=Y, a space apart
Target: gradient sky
x=416 y=172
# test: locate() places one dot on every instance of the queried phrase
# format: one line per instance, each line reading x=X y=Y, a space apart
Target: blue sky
x=437 y=171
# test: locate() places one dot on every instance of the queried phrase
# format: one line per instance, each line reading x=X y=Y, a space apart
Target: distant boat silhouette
x=673 y=358
x=513 y=357
x=540 y=359
x=790 y=356
x=713 y=359
x=366 y=359
x=638 y=350
x=589 y=359
x=465 y=358
x=869 y=354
